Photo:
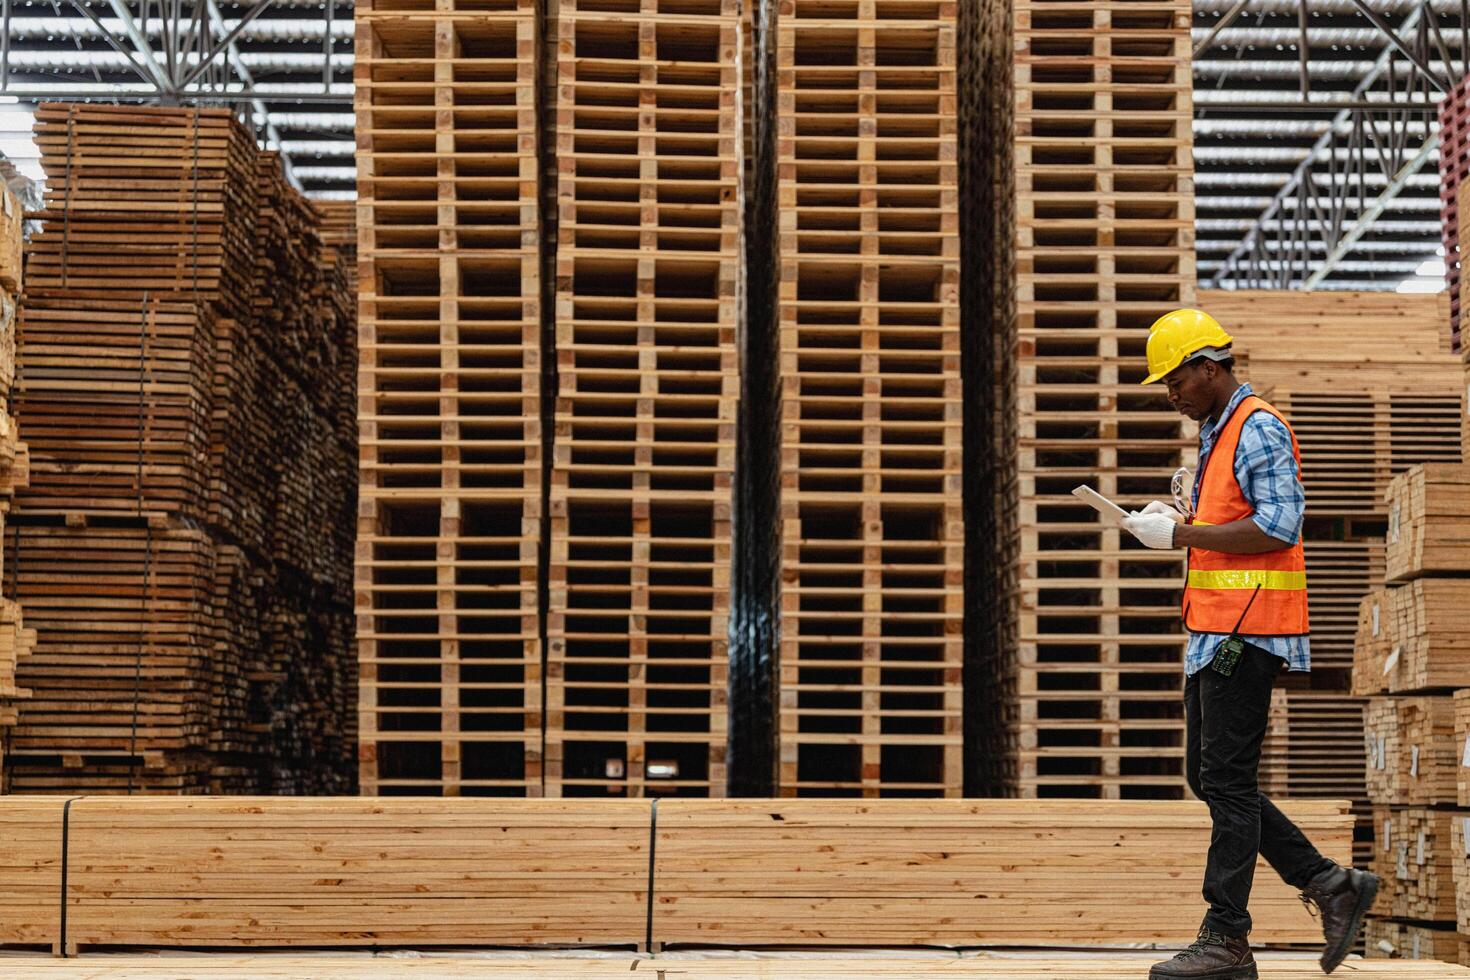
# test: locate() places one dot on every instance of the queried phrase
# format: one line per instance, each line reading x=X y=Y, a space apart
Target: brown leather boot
x=1342 y=895
x=1211 y=957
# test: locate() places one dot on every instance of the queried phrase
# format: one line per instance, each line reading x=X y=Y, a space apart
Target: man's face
x=1191 y=388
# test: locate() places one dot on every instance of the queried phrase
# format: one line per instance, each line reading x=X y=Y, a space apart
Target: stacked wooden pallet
x=870 y=448
x=1099 y=181
x=347 y=872
x=184 y=362
x=647 y=285
x=450 y=516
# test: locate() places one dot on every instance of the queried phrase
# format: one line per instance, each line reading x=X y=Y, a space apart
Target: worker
x=1245 y=610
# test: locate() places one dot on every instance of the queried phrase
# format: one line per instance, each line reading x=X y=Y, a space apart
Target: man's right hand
x=1167 y=510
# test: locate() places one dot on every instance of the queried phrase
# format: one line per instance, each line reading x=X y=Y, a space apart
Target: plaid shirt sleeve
x=1267 y=473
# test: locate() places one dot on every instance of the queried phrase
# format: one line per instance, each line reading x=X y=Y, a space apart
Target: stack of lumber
x=1462 y=741
x=1385 y=938
x=267 y=871
x=1429 y=522
x=953 y=872
x=1409 y=642
x=1411 y=751
x=449 y=551
x=871 y=527
x=1413 y=856
x=1093 y=224
x=1413 y=638
x=647 y=282
x=1331 y=341
x=185 y=360
x=16 y=640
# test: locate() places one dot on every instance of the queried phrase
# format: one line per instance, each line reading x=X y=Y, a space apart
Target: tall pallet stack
x=869 y=347
x=647 y=277
x=449 y=559
x=1100 y=175
x=16 y=640
x=1411 y=656
x=187 y=576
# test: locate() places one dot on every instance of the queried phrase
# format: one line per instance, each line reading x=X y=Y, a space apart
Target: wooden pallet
x=451 y=507
x=1340 y=573
x=1102 y=228
x=1413 y=855
x=647 y=283
x=870 y=445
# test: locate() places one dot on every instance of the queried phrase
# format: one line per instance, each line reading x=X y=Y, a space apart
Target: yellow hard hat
x=1175 y=336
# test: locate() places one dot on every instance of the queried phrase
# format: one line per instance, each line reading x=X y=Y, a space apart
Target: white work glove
x=1154 y=530
x=1168 y=510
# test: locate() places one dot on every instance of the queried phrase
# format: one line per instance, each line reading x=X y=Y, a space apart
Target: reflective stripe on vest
x=1220 y=585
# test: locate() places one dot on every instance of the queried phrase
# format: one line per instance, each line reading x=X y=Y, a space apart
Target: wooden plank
x=949 y=872
x=852 y=966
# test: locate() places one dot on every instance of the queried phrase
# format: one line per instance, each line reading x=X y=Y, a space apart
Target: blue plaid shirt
x=1267 y=474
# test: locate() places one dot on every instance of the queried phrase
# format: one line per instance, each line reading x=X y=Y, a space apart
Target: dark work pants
x=1225 y=722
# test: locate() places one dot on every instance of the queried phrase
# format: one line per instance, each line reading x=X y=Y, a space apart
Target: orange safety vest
x=1220 y=584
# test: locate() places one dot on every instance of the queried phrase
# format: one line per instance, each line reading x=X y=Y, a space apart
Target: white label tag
x=1465 y=834
x=1393 y=528
x=1375 y=619
x=1416 y=946
x=1414 y=762
x=1387 y=832
x=1392 y=661
x=6 y=198
x=1401 y=866
x=1382 y=754
x=1419 y=849
x=1465 y=759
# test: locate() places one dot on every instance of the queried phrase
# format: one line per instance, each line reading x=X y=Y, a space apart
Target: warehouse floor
x=720 y=965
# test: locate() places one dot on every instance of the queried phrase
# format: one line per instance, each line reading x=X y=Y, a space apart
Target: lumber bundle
x=449 y=405
x=145 y=199
x=647 y=291
x=1385 y=938
x=16 y=639
x=871 y=528
x=1460 y=855
x=1411 y=752
x=1413 y=857
x=952 y=872
x=1429 y=522
x=265 y=871
x=1413 y=638
x=1096 y=210
x=186 y=361
x=856 y=965
x=1336 y=341
x=1462 y=747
